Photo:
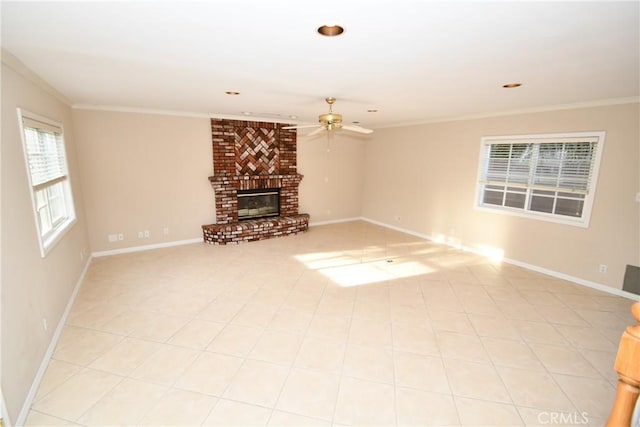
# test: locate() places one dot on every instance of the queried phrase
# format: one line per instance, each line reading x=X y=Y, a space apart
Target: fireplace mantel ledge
x=219 y=178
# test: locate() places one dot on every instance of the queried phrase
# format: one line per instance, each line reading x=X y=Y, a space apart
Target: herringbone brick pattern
x=257 y=151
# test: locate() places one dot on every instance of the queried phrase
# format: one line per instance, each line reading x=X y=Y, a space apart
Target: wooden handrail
x=628 y=368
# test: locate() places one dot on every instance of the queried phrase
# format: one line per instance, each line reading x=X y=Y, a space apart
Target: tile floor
x=347 y=324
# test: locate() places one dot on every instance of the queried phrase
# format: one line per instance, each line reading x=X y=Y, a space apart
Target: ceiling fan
x=331 y=121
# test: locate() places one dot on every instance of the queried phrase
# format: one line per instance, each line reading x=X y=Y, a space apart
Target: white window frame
x=59 y=226
x=589 y=194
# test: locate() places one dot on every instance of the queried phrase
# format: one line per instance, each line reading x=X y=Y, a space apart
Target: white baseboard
x=6 y=421
x=334 y=221
x=146 y=247
x=26 y=406
x=552 y=273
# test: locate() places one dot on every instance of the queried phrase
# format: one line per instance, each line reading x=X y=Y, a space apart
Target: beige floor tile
x=277 y=347
x=368 y=363
x=537 y=298
x=159 y=328
x=309 y=393
x=592 y=396
x=494 y=326
x=57 y=373
x=481 y=413
x=538 y=332
x=290 y=320
x=179 y=408
x=302 y=300
x=322 y=353
x=166 y=365
x=463 y=347
x=210 y=373
x=126 y=356
x=127 y=321
x=37 y=419
x=564 y=360
x=255 y=315
x=330 y=326
x=421 y=372
x=179 y=304
x=82 y=346
x=235 y=340
x=421 y=408
x=230 y=413
x=415 y=315
x=370 y=332
x=520 y=311
x=582 y=337
x=335 y=306
x=222 y=309
x=513 y=354
x=604 y=319
x=451 y=321
x=603 y=362
x=366 y=309
x=196 y=334
x=78 y=394
x=257 y=383
x=95 y=316
x=561 y=315
x=475 y=380
x=534 y=389
x=279 y=418
x=414 y=339
x=364 y=403
x=125 y=404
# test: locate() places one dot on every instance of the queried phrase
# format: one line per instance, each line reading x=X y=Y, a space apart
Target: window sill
x=48 y=243
x=575 y=222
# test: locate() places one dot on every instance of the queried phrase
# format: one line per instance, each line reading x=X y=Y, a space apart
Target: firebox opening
x=258 y=203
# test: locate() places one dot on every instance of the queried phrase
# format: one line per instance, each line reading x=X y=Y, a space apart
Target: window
x=550 y=177
x=44 y=151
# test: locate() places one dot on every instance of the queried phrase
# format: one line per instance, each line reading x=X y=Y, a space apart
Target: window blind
x=45 y=152
x=565 y=165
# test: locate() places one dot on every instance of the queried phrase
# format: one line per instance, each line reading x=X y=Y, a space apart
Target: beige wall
x=333 y=176
x=33 y=288
x=423 y=179
x=144 y=172
x=147 y=172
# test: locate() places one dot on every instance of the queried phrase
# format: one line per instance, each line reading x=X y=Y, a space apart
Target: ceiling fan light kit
x=331 y=121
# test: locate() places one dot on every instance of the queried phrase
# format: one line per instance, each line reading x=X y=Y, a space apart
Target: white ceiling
x=415 y=61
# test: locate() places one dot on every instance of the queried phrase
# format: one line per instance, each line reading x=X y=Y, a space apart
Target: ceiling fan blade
x=357 y=129
x=317 y=131
x=300 y=127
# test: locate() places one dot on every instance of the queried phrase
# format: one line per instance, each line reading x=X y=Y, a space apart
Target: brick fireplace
x=253 y=156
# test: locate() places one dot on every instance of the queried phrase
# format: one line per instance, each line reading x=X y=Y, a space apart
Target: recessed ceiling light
x=330 y=30
x=232 y=92
x=293 y=117
x=511 y=85
x=372 y=110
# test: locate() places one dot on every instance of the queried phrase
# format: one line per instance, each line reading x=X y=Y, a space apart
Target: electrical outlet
x=165 y=231
x=146 y=233
x=45 y=324
x=120 y=236
x=637 y=197
x=602 y=268
x=112 y=238
x=140 y=234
